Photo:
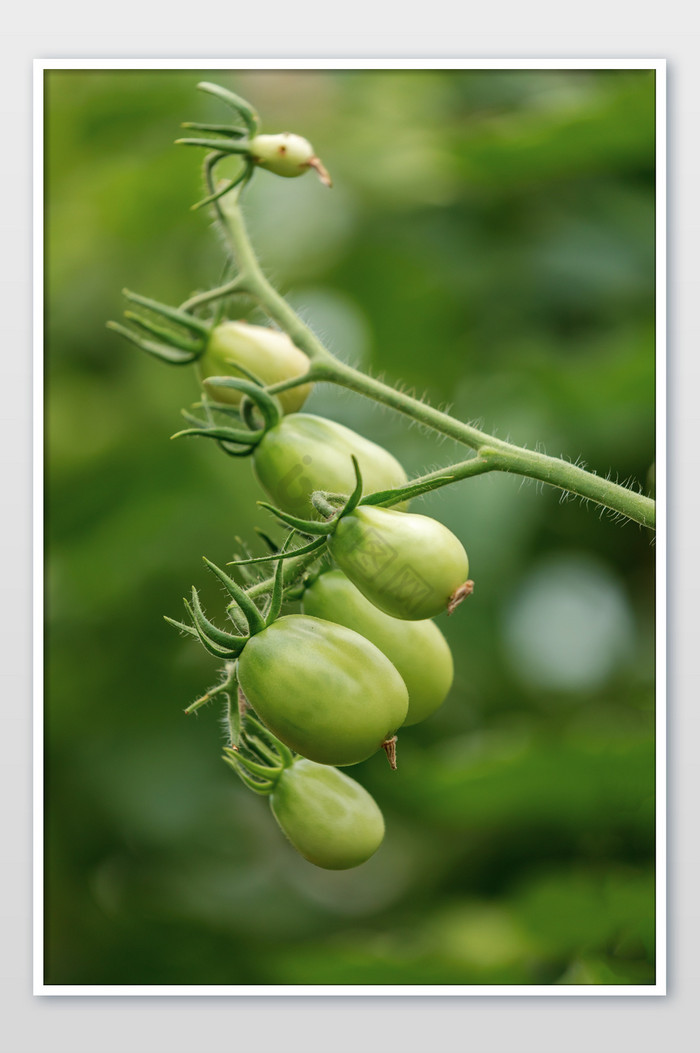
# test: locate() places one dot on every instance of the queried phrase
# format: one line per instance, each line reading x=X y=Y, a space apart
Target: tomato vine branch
x=492 y=454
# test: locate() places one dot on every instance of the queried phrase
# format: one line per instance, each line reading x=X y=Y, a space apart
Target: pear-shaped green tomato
x=417 y=649
x=409 y=566
x=304 y=453
x=324 y=690
x=328 y=817
x=267 y=353
x=285 y=154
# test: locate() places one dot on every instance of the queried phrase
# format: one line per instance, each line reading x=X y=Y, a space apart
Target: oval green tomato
x=407 y=565
x=285 y=154
x=417 y=649
x=267 y=353
x=324 y=690
x=328 y=817
x=304 y=453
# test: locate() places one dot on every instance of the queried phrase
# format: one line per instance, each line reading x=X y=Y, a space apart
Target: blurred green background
x=489 y=241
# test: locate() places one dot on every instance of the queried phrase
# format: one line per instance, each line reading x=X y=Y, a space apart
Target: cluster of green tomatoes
x=328 y=687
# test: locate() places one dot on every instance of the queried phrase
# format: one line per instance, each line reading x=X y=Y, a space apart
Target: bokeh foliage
x=489 y=241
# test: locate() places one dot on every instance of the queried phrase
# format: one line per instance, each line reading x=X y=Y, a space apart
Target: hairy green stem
x=255 y=282
x=423 y=484
x=211 y=295
x=292 y=571
x=229 y=681
x=498 y=455
x=493 y=454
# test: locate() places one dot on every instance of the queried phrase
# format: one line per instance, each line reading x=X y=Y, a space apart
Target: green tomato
x=324 y=690
x=417 y=649
x=328 y=817
x=409 y=566
x=265 y=352
x=287 y=155
x=284 y=154
x=304 y=453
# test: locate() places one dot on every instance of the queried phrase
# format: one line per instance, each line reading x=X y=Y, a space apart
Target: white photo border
x=659 y=988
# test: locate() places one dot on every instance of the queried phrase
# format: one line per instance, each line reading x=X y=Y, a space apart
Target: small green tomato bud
x=265 y=352
x=286 y=155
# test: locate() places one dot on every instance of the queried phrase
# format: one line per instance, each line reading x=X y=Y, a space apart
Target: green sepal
x=237 y=617
x=263 y=771
x=255 y=736
x=219 y=636
x=220 y=145
x=246 y=451
x=323 y=506
x=229 y=185
x=169 y=336
x=296 y=592
x=277 y=595
x=285 y=754
x=403 y=493
x=268 y=406
x=272 y=545
x=224 y=408
x=217 y=129
x=250 y=117
x=249 y=375
x=264 y=788
x=243 y=438
x=196 y=422
x=248 y=412
x=253 y=616
x=307 y=526
x=189 y=629
x=219 y=310
x=261 y=750
x=162 y=351
x=263 y=777
x=303 y=551
x=209 y=644
x=248 y=575
x=174 y=314
x=304 y=526
x=354 y=498
x=204 y=428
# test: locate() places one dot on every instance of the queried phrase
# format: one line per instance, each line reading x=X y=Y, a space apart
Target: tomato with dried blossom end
x=410 y=566
x=324 y=690
x=286 y=154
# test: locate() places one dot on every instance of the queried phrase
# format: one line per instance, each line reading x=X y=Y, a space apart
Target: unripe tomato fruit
x=324 y=690
x=304 y=453
x=328 y=817
x=407 y=565
x=285 y=154
x=418 y=650
x=265 y=352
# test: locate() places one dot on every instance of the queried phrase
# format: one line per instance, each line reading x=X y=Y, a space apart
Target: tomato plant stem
x=225 y=686
x=292 y=572
x=492 y=454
